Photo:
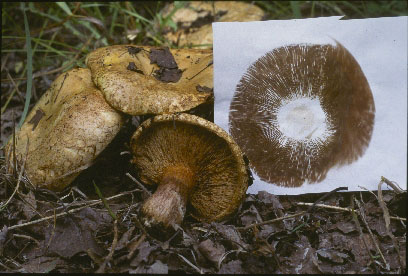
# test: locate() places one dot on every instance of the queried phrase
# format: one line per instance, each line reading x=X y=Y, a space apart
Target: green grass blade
x=138 y=16
x=98 y=192
x=295 y=9
x=64 y=7
x=29 y=68
x=113 y=22
x=46 y=15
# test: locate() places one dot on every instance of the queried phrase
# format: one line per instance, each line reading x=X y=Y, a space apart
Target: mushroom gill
x=195 y=165
x=301 y=109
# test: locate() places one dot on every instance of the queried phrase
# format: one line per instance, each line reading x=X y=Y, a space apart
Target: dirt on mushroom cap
x=67 y=128
x=128 y=77
x=210 y=153
x=194 y=20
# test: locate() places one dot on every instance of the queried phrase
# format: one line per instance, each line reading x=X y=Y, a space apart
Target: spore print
x=300 y=110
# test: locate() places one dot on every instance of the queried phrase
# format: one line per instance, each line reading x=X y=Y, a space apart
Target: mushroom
x=194 y=163
x=67 y=128
x=195 y=18
x=147 y=80
x=310 y=108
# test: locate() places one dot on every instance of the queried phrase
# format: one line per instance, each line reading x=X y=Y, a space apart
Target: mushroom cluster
x=194 y=163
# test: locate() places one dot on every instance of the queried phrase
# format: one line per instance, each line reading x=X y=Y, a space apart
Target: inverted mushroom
x=147 y=80
x=310 y=108
x=67 y=128
x=193 y=163
x=195 y=18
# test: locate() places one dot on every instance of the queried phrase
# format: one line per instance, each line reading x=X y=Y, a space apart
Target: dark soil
x=81 y=238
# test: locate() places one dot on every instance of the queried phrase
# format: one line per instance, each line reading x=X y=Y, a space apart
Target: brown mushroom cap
x=301 y=109
x=142 y=80
x=196 y=17
x=190 y=151
x=67 y=128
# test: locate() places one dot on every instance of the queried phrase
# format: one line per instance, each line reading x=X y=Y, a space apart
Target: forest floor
x=78 y=231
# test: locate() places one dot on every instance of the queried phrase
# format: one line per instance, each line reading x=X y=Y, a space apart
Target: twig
x=26 y=237
x=387 y=219
x=371 y=192
x=338 y=208
x=135 y=245
x=360 y=231
x=6 y=267
x=18 y=181
x=226 y=254
x=95 y=257
x=112 y=250
x=188 y=262
x=13 y=262
x=112 y=214
x=15 y=87
x=139 y=184
x=139 y=224
x=208 y=65
x=310 y=209
x=393 y=185
x=165 y=245
x=70 y=211
x=363 y=218
x=75 y=188
x=52 y=233
x=271 y=221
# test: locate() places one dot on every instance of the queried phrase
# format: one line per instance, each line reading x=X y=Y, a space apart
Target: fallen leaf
x=332 y=255
x=232 y=267
x=229 y=232
x=168 y=75
x=258 y=264
x=163 y=58
x=36 y=118
x=132 y=67
x=41 y=265
x=124 y=240
x=30 y=205
x=158 y=268
x=268 y=198
x=304 y=259
x=250 y=216
x=211 y=251
x=74 y=234
x=3 y=237
x=200 y=88
x=144 y=251
x=346 y=227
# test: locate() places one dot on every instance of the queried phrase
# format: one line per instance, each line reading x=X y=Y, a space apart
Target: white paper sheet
x=380 y=47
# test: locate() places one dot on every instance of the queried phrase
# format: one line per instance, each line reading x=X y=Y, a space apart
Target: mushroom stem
x=168 y=204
